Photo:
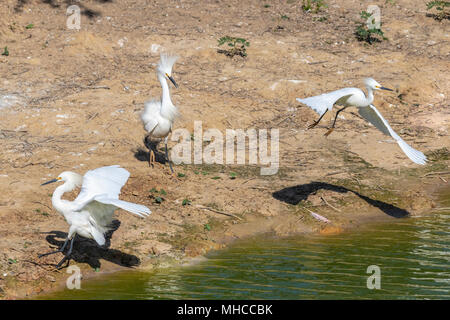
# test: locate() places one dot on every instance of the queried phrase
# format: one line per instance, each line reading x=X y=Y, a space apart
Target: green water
x=412 y=253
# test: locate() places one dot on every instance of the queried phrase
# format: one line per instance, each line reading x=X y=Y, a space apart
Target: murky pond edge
x=441 y=194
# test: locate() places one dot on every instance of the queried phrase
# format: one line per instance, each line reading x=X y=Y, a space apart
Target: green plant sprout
x=364 y=33
x=237 y=46
x=5 y=52
x=442 y=9
x=313 y=5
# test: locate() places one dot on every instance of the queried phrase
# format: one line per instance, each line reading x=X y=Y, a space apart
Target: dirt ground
x=70 y=100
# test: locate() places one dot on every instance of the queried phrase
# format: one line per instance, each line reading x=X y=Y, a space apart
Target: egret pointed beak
x=173 y=81
x=48 y=182
x=383 y=88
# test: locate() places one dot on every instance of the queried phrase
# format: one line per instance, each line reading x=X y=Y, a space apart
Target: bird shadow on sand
x=293 y=195
x=88 y=251
x=84 y=10
x=144 y=155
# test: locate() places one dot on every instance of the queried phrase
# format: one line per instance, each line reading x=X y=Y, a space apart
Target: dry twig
x=219 y=212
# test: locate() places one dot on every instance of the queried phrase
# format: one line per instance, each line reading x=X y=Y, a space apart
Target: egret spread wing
x=104 y=181
x=103 y=186
x=324 y=102
x=150 y=114
x=372 y=115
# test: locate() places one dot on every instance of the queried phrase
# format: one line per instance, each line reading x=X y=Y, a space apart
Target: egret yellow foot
x=151 y=159
x=328 y=132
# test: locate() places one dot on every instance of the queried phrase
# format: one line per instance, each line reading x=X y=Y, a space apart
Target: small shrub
x=366 y=34
x=237 y=46
x=5 y=52
x=159 y=200
x=313 y=5
x=442 y=9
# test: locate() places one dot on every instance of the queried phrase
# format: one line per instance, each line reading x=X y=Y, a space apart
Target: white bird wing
x=372 y=115
x=150 y=114
x=103 y=186
x=324 y=102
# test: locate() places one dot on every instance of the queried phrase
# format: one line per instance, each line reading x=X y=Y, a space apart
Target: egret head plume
x=166 y=63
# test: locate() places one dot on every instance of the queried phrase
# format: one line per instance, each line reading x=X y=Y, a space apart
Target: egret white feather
x=158 y=115
x=372 y=115
x=355 y=97
x=91 y=213
x=326 y=101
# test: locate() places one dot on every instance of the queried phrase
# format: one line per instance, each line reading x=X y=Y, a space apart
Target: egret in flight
x=91 y=213
x=355 y=97
x=158 y=115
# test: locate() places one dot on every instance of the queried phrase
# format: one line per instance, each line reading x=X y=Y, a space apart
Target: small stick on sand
x=323 y=199
x=219 y=212
x=435 y=173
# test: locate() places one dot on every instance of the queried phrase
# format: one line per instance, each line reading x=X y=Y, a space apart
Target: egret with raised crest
x=158 y=115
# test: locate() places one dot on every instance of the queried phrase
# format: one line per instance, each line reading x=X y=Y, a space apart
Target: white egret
x=91 y=213
x=355 y=97
x=158 y=115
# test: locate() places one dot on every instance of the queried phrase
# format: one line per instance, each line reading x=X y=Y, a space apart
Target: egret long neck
x=59 y=204
x=369 y=96
x=165 y=99
x=168 y=110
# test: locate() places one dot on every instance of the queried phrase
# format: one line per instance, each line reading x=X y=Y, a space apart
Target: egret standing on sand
x=158 y=115
x=91 y=213
x=354 y=97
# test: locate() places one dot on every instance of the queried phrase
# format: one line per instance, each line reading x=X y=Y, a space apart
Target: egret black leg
x=334 y=122
x=67 y=254
x=57 y=251
x=317 y=122
x=167 y=157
